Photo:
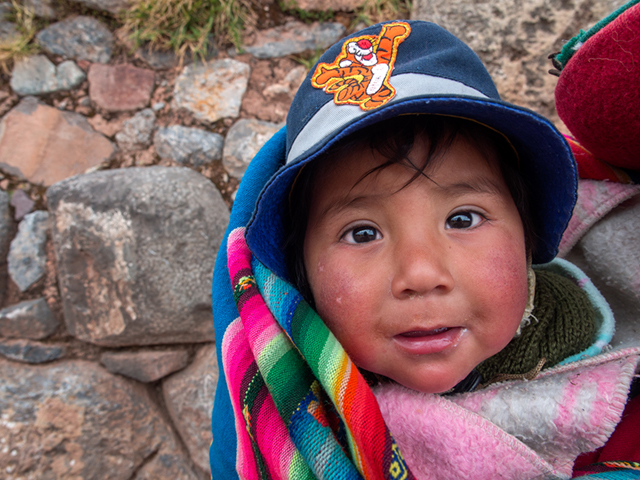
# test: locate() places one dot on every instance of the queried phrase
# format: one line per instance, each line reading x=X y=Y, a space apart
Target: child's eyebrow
x=475 y=185
x=457 y=189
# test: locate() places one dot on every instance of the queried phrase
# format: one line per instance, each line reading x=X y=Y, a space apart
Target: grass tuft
x=186 y=25
x=21 y=45
x=374 y=11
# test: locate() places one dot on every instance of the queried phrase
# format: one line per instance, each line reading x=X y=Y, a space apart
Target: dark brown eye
x=362 y=235
x=463 y=220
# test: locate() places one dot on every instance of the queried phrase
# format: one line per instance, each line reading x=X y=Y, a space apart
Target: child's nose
x=420 y=267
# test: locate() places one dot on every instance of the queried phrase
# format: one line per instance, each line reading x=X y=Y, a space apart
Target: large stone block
x=46 y=145
x=189 y=396
x=514 y=39
x=135 y=250
x=74 y=420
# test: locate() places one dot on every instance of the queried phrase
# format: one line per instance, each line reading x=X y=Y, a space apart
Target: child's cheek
x=335 y=292
x=505 y=280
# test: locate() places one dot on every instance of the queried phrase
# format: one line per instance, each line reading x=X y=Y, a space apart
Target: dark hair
x=394 y=139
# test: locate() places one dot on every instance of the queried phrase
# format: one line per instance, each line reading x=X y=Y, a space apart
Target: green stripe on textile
x=298 y=468
x=289 y=381
x=330 y=360
x=277 y=348
x=309 y=334
x=253 y=389
x=574 y=44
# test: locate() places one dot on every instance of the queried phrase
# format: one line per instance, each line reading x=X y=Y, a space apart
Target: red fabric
x=624 y=444
x=593 y=168
x=597 y=96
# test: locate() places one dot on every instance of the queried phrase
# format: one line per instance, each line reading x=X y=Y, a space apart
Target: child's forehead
x=361 y=173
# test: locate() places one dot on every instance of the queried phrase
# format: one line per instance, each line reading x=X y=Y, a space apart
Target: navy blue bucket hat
x=412 y=67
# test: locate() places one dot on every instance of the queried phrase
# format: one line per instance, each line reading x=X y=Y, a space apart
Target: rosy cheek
x=331 y=287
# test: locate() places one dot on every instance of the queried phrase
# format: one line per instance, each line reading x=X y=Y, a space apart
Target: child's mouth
x=424 y=342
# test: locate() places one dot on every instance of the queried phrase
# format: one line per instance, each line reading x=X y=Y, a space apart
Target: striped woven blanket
x=302 y=409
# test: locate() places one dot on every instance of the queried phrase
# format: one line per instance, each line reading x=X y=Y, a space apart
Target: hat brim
x=546 y=165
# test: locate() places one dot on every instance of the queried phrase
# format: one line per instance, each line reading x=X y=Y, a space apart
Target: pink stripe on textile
x=274 y=441
x=272 y=434
x=256 y=318
x=565 y=417
x=237 y=358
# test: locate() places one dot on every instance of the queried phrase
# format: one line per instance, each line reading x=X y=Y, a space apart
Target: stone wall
x=118 y=172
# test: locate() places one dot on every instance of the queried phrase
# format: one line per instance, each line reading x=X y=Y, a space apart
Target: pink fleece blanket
x=514 y=430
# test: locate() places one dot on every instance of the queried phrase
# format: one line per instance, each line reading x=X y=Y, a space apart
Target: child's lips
x=424 y=342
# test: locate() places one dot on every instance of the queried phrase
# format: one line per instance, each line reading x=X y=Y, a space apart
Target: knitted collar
x=563 y=323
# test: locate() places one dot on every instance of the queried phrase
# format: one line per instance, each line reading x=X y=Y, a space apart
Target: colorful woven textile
x=302 y=409
x=610 y=471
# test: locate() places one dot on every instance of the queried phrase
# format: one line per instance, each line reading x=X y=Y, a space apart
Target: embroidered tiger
x=360 y=74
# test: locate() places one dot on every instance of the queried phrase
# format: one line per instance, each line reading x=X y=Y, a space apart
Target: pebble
x=212 y=91
x=27 y=255
x=36 y=75
x=189 y=146
x=80 y=38
x=294 y=37
x=122 y=87
x=243 y=141
x=8 y=30
x=29 y=319
x=137 y=132
x=332 y=5
x=22 y=204
x=42 y=8
x=111 y=6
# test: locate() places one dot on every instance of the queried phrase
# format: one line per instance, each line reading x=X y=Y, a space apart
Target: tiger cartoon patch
x=360 y=74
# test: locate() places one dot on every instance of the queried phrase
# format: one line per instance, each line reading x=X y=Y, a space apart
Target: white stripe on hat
x=331 y=117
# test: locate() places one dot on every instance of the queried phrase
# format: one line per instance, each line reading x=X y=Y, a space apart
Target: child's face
x=419 y=284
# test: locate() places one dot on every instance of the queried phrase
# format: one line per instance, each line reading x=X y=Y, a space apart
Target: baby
x=389 y=243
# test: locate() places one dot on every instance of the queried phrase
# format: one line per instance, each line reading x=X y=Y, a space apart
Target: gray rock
x=30 y=319
x=27 y=255
x=8 y=30
x=7 y=226
x=243 y=141
x=73 y=419
x=514 y=38
x=36 y=75
x=331 y=5
x=188 y=395
x=136 y=133
x=42 y=8
x=28 y=351
x=7 y=229
x=294 y=37
x=22 y=204
x=213 y=90
x=189 y=146
x=135 y=250
x=80 y=38
x=112 y=6
x=145 y=365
